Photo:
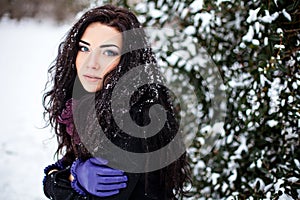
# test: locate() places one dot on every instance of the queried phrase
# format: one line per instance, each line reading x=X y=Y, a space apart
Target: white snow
x=269 y=18
x=266 y=41
x=293 y=179
x=277 y=185
x=272 y=123
x=205 y=18
x=286 y=15
x=279 y=46
x=221 y=1
x=252 y=15
x=27 y=50
x=190 y=30
x=214 y=178
x=153 y=12
x=255 y=42
x=285 y=197
x=250 y=34
x=243 y=145
x=196 y=6
x=297 y=163
x=255 y=182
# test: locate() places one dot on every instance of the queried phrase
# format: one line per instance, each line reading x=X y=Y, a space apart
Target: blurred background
x=241 y=59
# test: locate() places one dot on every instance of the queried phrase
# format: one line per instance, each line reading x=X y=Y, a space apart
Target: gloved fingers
x=108 y=187
x=98 y=161
x=107 y=171
x=106 y=194
x=112 y=179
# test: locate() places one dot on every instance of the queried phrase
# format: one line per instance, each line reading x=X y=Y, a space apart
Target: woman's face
x=99 y=53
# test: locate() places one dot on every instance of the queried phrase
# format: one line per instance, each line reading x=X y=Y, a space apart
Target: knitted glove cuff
x=75 y=184
x=58 y=165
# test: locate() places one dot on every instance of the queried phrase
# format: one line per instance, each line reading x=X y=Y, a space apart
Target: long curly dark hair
x=136 y=52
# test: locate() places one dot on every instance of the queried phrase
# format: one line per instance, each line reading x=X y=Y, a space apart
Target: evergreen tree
x=256 y=48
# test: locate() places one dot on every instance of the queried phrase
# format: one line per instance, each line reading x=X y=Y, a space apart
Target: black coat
x=140 y=186
x=57 y=186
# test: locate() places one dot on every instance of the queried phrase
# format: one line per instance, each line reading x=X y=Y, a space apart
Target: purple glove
x=94 y=177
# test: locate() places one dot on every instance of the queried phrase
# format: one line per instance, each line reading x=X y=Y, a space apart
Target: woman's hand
x=95 y=177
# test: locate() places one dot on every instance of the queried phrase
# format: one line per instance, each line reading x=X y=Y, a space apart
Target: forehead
x=99 y=33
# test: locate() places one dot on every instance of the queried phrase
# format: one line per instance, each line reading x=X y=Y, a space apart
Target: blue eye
x=83 y=49
x=110 y=53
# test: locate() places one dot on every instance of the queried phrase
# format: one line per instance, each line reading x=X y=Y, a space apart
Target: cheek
x=113 y=64
x=78 y=61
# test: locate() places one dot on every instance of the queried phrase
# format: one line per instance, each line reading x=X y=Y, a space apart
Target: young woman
x=105 y=44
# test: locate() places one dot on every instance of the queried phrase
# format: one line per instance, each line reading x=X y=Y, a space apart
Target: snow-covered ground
x=27 y=49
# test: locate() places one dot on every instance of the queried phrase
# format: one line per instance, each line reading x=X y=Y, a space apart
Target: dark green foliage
x=258 y=57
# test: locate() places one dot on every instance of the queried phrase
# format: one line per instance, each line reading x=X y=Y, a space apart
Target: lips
x=91 y=78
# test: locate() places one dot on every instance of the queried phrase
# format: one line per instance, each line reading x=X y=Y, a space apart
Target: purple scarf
x=66 y=118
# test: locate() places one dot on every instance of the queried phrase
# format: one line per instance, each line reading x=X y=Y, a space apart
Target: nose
x=93 y=61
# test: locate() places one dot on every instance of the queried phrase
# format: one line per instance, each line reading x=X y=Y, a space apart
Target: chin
x=91 y=89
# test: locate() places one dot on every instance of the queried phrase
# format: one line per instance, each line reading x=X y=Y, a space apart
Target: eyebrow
x=84 y=42
x=109 y=45
x=101 y=46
